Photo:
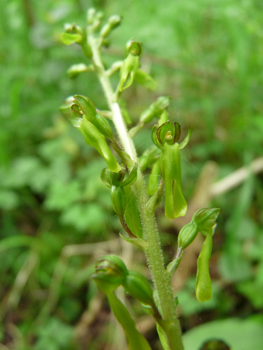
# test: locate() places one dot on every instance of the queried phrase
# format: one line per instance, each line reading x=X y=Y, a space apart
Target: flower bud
x=128 y=70
x=155 y=110
x=113 y=22
x=138 y=287
x=88 y=108
x=186 y=235
x=86 y=48
x=110 y=272
x=91 y=15
x=76 y=69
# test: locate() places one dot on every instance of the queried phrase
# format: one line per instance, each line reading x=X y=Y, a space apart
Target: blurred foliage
x=207 y=57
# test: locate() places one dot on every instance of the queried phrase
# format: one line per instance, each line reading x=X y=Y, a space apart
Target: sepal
x=186 y=139
x=154 y=137
x=206 y=220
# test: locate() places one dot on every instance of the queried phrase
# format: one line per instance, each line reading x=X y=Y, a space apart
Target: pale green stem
x=153 y=251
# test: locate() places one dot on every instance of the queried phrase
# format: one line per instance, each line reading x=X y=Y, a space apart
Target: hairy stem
x=153 y=251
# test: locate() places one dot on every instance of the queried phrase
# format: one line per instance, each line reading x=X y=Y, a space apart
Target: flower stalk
x=153 y=249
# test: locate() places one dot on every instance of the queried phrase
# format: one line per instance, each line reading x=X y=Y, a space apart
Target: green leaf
x=69 y=39
x=238 y=334
x=135 y=339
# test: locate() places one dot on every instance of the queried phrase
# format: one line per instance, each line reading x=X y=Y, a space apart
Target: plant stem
x=153 y=251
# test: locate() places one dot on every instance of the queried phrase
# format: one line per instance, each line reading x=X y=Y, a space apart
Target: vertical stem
x=153 y=251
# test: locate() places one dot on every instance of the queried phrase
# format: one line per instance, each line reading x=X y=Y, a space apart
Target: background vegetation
x=56 y=215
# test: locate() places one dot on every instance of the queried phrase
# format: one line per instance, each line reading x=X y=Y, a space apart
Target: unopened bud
x=155 y=110
x=110 y=272
x=76 y=69
x=91 y=15
x=113 y=22
x=187 y=234
x=138 y=287
x=88 y=108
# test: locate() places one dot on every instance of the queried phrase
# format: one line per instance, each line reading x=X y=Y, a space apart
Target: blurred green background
x=56 y=215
